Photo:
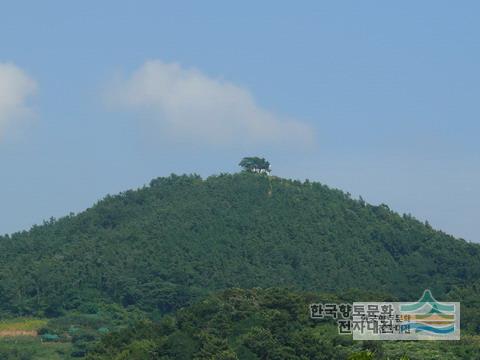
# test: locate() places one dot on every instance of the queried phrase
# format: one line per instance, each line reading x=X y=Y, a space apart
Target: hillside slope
x=263 y=324
x=173 y=241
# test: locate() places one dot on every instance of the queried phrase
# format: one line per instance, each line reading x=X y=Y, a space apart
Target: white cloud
x=15 y=88
x=189 y=105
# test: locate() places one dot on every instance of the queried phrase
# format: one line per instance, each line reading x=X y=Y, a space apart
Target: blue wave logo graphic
x=418 y=327
x=428 y=315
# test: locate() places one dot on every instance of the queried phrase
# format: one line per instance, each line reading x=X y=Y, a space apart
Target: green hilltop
x=172 y=242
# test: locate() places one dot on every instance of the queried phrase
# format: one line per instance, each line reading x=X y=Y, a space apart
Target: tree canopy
x=261 y=324
x=165 y=245
x=255 y=164
x=173 y=243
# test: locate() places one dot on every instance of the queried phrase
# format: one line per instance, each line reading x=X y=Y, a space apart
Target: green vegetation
x=168 y=244
x=31 y=348
x=262 y=324
x=147 y=253
x=84 y=330
x=22 y=324
x=255 y=165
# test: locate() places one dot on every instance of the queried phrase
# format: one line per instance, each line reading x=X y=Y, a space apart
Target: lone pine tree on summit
x=255 y=165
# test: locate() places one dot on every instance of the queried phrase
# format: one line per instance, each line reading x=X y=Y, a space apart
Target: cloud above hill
x=188 y=105
x=15 y=89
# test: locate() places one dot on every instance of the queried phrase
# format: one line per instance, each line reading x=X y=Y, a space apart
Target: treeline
x=171 y=243
x=263 y=324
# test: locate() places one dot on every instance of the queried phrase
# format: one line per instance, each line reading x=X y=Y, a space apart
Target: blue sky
x=378 y=99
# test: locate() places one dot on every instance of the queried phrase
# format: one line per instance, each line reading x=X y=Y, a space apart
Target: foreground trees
x=256 y=324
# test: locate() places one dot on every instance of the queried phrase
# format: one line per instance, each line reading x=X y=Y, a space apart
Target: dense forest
x=167 y=244
x=149 y=252
x=263 y=324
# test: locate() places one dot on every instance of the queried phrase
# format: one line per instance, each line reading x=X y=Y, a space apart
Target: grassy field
x=31 y=348
x=22 y=324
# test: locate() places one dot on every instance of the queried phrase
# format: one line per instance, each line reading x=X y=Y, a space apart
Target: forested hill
x=171 y=242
